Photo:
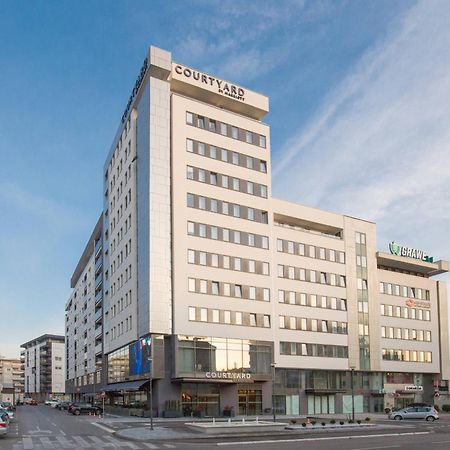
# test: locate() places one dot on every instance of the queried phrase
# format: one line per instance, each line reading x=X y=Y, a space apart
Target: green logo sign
x=402 y=250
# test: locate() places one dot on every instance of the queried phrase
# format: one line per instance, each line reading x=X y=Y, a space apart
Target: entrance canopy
x=129 y=386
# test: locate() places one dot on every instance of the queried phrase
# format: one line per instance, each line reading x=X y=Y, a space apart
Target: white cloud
x=379 y=145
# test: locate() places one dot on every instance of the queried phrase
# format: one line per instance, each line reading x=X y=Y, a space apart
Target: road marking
x=168 y=445
x=46 y=442
x=440 y=442
x=99 y=442
x=66 y=443
x=81 y=442
x=118 y=443
x=103 y=427
x=150 y=445
x=376 y=448
x=274 y=441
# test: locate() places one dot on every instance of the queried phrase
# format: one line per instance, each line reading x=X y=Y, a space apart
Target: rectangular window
x=215 y=288
x=238 y=290
x=189 y=118
x=191 y=228
x=225 y=181
x=201 y=149
x=252 y=293
x=263 y=166
x=189 y=145
x=250 y=189
x=266 y=294
x=234 y=133
x=236 y=184
x=249 y=162
x=226 y=234
x=202 y=230
x=213 y=178
x=238 y=318
x=201 y=202
x=262 y=141
x=212 y=125
x=203 y=286
x=200 y=121
x=190 y=200
x=250 y=214
x=213 y=205
x=236 y=211
x=191 y=257
x=252 y=320
x=248 y=137
x=191 y=284
x=224 y=155
x=212 y=152
x=227 y=317
x=223 y=129
x=237 y=237
x=266 y=321
x=235 y=158
x=226 y=289
x=201 y=175
x=214 y=232
x=191 y=313
x=225 y=208
x=203 y=315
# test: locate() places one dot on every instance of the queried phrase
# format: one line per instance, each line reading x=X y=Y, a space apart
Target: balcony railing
x=98 y=279
x=98 y=246
x=98 y=315
x=99 y=348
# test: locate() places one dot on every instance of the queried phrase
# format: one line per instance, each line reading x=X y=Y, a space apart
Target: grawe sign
x=408 y=252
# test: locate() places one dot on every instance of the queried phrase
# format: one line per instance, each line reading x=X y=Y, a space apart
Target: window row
x=405 y=312
x=227 y=262
x=295 y=248
x=404 y=291
x=122 y=327
x=115 y=156
x=120 y=305
x=300 y=349
x=224 y=155
x=226 y=208
x=318 y=325
x=227 y=235
x=225 y=129
x=313 y=300
x=406 y=333
x=197 y=314
x=389 y=354
x=313 y=276
x=226 y=181
x=228 y=289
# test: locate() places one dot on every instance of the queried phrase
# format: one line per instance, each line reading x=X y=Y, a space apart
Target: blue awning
x=127 y=386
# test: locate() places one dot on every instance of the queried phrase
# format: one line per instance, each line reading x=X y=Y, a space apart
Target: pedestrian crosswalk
x=83 y=442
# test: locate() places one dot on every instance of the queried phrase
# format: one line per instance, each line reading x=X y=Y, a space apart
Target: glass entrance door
x=250 y=402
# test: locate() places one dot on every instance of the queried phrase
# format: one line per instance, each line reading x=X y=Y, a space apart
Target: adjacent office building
x=11 y=380
x=84 y=322
x=44 y=367
x=224 y=298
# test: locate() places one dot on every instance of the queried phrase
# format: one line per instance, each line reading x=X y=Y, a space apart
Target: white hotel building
x=224 y=286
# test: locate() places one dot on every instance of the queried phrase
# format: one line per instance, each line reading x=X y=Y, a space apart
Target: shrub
x=303 y=424
x=351 y=421
x=445 y=408
x=367 y=419
x=341 y=422
x=293 y=421
x=358 y=422
x=387 y=410
x=323 y=424
x=332 y=421
x=313 y=422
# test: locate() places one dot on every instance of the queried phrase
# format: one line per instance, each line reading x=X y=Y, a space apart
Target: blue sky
x=359 y=115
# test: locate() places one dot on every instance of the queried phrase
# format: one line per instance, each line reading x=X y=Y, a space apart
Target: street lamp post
x=272 y=365
x=352 y=370
x=150 y=391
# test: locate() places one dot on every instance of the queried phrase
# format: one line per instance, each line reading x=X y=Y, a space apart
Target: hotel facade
x=227 y=300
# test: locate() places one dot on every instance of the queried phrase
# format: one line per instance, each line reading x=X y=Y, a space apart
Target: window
x=252 y=293
x=238 y=290
x=215 y=288
x=190 y=200
x=191 y=257
x=226 y=234
x=212 y=152
x=190 y=173
x=203 y=286
x=235 y=158
x=201 y=202
x=201 y=175
x=252 y=320
x=262 y=141
x=265 y=268
x=225 y=208
x=226 y=289
x=236 y=184
x=224 y=155
x=234 y=133
x=237 y=237
x=263 y=191
x=266 y=321
x=248 y=137
x=236 y=211
x=213 y=178
x=251 y=239
x=191 y=228
x=203 y=315
x=265 y=242
x=251 y=266
x=189 y=145
x=212 y=125
x=266 y=294
x=191 y=284
x=191 y=313
x=224 y=181
x=249 y=162
x=227 y=316
x=213 y=205
x=250 y=214
x=263 y=166
x=200 y=121
x=237 y=264
x=201 y=148
x=238 y=318
x=223 y=129
x=202 y=230
x=189 y=118
x=250 y=187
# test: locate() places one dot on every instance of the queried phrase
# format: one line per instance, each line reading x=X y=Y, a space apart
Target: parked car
x=10 y=414
x=84 y=408
x=63 y=405
x=4 y=424
x=7 y=405
x=32 y=402
x=420 y=412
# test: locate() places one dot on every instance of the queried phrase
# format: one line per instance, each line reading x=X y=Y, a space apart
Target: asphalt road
x=42 y=427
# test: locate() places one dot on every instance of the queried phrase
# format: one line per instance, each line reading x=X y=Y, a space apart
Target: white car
x=4 y=424
x=52 y=403
x=10 y=414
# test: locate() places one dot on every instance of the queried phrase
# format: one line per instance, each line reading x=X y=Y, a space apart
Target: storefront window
x=118 y=365
x=223 y=355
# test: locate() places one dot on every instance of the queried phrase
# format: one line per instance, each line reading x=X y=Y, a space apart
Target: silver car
x=417 y=412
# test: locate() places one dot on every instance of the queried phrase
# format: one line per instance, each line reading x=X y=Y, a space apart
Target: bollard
x=229 y=421
x=214 y=421
x=243 y=420
x=257 y=419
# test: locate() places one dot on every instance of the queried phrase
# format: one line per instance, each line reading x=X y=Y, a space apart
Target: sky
x=359 y=115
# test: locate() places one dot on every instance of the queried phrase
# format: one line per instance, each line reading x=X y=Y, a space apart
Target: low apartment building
x=44 y=369
x=223 y=298
x=11 y=380
x=84 y=322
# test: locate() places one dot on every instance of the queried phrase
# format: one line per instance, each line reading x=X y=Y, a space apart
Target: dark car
x=84 y=408
x=62 y=406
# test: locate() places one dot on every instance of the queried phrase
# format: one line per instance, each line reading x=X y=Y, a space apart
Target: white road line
x=66 y=443
x=46 y=443
x=376 y=448
x=275 y=441
x=81 y=442
x=119 y=444
x=440 y=442
x=99 y=442
x=168 y=446
x=62 y=432
x=103 y=427
x=148 y=445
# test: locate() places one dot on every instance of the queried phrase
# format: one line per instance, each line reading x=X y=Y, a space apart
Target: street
x=42 y=427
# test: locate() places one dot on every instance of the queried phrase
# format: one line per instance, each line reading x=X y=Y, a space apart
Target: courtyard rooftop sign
x=402 y=250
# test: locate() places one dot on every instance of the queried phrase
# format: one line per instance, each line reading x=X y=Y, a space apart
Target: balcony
x=99 y=348
x=98 y=265
x=98 y=247
x=98 y=331
x=98 y=315
x=98 y=280
x=98 y=297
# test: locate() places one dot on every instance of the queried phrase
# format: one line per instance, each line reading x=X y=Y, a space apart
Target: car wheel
x=430 y=419
x=77 y=412
x=398 y=418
